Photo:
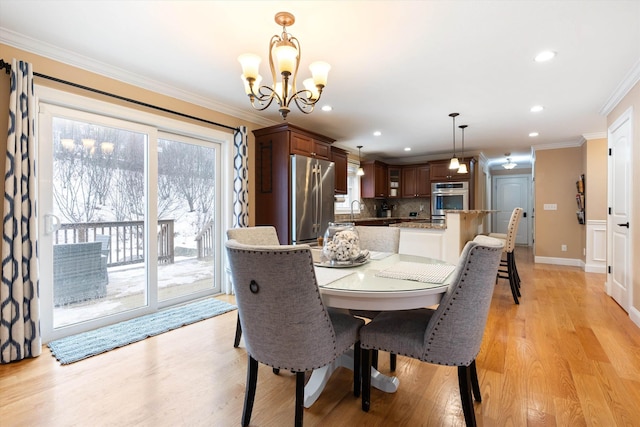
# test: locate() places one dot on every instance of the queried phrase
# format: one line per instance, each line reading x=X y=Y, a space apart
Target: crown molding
x=627 y=83
x=47 y=50
x=594 y=135
x=555 y=146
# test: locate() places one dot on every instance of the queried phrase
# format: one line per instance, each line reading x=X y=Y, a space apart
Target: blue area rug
x=77 y=347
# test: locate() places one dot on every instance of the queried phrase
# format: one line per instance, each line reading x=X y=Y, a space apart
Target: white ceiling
x=399 y=67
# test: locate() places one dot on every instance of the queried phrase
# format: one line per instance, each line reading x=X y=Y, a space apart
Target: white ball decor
x=341 y=243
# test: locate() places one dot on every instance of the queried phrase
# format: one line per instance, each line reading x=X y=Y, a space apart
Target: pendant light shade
x=360 y=171
x=463 y=165
x=454 y=164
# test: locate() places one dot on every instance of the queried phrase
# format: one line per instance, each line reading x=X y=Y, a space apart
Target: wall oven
x=448 y=196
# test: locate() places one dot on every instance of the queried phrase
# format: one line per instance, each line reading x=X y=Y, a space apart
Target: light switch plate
x=550 y=207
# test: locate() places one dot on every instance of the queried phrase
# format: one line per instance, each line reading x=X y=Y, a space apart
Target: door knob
x=624 y=225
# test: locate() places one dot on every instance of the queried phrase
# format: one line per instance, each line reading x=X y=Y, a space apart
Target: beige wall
x=596 y=176
x=556 y=173
x=56 y=69
x=632 y=99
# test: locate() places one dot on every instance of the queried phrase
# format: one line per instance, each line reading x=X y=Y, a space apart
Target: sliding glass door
x=128 y=218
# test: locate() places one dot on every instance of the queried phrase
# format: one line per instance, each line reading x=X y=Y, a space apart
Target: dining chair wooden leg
x=357 y=357
x=236 y=341
x=299 y=398
x=392 y=361
x=250 y=390
x=464 y=380
x=374 y=358
x=475 y=385
x=366 y=379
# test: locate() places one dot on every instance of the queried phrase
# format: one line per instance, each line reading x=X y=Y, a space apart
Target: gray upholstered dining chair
x=379 y=239
x=449 y=335
x=261 y=235
x=284 y=322
x=510 y=271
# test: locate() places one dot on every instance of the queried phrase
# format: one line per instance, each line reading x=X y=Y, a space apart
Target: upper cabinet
x=340 y=158
x=395 y=181
x=440 y=171
x=374 y=181
x=416 y=181
x=311 y=147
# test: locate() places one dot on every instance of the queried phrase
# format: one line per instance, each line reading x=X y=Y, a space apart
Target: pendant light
x=360 y=171
x=463 y=165
x=454 y=164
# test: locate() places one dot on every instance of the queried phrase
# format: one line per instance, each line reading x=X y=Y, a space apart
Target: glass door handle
x=51 y=223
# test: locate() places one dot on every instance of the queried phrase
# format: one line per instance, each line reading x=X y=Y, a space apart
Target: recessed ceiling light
x=407 y=149
x=327 y=108
x=545 y=56
x=537 y=108
x=532 y=134
x=377 y=133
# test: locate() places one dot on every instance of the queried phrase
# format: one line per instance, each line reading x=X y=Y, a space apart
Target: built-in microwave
x=448 y=196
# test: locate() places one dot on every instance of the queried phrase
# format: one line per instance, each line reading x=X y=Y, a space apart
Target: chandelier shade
x=284 y=62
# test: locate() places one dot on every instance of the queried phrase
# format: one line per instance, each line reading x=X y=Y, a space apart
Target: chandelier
x=509 y=164
x=454 y=163
x=463 y=165
x=284 y=60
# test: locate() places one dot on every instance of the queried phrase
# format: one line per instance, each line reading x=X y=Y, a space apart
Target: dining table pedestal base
x=320 y=377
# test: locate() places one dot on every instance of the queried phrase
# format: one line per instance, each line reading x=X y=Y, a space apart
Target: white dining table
x=361 y=288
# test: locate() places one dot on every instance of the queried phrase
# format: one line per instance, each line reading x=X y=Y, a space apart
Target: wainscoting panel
x=596 y=258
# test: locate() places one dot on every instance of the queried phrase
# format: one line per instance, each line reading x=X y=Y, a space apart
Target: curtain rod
x=7 y=67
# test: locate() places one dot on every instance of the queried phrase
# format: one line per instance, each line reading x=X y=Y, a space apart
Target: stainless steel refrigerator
x=312 y=198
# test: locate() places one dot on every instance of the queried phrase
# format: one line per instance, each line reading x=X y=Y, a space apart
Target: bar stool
x=508 y=266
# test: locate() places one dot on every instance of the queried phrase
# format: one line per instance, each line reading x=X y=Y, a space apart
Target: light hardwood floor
x=566 y=356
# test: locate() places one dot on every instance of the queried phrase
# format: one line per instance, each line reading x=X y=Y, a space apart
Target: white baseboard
x=559 y=261
x=634 y=315
x=591 y=268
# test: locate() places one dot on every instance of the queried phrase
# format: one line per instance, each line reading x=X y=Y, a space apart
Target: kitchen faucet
x=359 y=207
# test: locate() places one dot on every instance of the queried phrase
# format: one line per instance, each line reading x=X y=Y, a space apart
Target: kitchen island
x=441 y=239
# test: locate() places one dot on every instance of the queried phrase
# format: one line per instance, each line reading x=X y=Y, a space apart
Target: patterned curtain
x=240 y=184
x=19 y=302
x=240 y=178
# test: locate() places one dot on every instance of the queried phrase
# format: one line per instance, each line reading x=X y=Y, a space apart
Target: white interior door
x=619 y=244
x=510 y=192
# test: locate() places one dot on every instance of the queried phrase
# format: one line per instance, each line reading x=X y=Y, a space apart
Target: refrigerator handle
x=318 y=197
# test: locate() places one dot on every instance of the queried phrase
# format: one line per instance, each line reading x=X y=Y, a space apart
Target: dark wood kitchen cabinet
x=373 y=184
x=416 y=181
x=273 y=147
x=340 y=158
x=440 y=171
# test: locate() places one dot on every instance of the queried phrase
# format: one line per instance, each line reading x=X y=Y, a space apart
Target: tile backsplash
x=400 y=208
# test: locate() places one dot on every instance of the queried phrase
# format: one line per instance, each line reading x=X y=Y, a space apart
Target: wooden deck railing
x=205 y=240
x=125 y=244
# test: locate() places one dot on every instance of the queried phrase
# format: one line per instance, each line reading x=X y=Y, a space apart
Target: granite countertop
x=470 y=211
x=426 y=223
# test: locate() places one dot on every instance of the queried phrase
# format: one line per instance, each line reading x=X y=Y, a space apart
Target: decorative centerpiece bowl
x=341 y=244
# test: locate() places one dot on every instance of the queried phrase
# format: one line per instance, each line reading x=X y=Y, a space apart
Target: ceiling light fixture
x=284 y=60
x=454 y=164
x=545 y=56
x=463 y=165
x=537 y=108
x=509 y=164
x=533 y=134
x=360 y=171
x=377 y=133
